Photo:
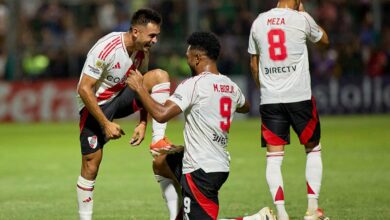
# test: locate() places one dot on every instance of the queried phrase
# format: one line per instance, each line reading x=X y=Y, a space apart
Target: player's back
x=214 y=101
x=279 y=37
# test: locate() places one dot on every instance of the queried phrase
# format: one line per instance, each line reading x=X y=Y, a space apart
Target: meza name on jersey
x=275 y=21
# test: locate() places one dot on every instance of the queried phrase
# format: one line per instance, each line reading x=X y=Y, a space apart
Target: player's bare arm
x=161 y=113
x=324 y=39
x=86 y=92
x=254 y=63
x=244 y=109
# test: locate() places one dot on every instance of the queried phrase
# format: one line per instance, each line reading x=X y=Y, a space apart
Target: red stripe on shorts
x=307 y=133
x=270 y=137
x=208 y=205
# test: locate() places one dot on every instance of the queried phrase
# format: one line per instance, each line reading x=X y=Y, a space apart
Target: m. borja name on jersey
x=223 y=88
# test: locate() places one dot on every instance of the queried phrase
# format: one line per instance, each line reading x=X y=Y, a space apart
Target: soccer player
x=208 y=100
x=103 y=96
x=280 y=67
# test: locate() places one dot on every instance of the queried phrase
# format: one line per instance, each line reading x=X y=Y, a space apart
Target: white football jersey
x=208 y=102
x=109 y=62
x=279 y=36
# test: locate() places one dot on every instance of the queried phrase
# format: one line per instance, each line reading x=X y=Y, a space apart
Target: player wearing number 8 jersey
x=208 y=100
x=280 y=67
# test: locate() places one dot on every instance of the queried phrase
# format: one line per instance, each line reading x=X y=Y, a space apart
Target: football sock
x=313 y=176
x=85 y=197
x=275 y=181
x=160 y=93
x=170 y=196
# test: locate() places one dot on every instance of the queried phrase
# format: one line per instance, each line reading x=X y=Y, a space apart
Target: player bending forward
x=103 y=96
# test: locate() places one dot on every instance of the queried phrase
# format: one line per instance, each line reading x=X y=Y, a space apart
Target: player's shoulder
x=111 y=35
x=306 y=15
x=108 y=41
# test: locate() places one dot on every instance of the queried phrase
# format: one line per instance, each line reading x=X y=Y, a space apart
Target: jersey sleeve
x=312 y=30
x=240 y=98
x=93 y=66
x=183 y=94
x=252 y=43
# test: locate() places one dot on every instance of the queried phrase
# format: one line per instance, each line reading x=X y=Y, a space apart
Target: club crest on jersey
x=92 y=141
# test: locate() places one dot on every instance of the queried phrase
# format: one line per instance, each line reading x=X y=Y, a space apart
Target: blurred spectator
x=63 y=31
x=4 y=13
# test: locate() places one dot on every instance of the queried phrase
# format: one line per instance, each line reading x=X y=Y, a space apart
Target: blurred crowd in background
x=47 y=39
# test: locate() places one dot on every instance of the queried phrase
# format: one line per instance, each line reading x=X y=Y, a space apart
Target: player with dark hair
x=208 y=100
x=103 y=96
x=280 y=68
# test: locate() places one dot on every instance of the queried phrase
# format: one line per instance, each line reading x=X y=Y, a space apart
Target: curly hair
x=145 y=16
x=207 y=42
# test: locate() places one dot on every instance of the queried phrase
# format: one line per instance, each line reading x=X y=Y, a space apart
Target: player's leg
x=86 y=182
x=264 y=214
x=306 y=123
x=275 y=155
x=200 y=194
x=92 y=141
x=167 y=170
x=313 y=180
x=158 y=84
x=275 y=134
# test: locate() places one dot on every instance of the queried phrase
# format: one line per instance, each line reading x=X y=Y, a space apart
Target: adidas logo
x=117 y=66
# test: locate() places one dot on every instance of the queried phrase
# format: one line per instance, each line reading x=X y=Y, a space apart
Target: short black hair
x=145 y=16
x=207 y=42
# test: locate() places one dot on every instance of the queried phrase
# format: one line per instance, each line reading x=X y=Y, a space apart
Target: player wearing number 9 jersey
x=208 y=100
x=280 y=67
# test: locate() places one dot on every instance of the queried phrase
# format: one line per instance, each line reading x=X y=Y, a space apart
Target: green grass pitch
x=39 y=165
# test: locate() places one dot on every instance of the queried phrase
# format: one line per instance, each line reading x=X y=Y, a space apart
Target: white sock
x=170 y=196
x=275 y=181
x=313 y=176
x=160 y=93
x=85 y=197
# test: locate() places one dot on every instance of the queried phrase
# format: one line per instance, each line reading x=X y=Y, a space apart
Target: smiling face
x=145 y=36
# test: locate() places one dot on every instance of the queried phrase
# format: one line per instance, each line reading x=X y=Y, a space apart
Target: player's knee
x=160 y=75
x=311 y=145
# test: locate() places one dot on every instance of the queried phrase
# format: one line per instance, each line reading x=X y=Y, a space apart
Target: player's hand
x=112 y=130
x=135 y=80
x=139 y=134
